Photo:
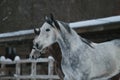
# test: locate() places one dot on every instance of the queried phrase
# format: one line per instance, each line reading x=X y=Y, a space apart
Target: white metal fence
x=79 y=24
x=33 y=75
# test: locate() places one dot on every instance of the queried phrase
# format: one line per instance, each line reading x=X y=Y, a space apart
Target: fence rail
x=33 y=75
x=79 y=24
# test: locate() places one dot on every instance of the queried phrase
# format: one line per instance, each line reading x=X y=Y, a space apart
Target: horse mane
x=86 y=41
x=51 y=19
x=66 y=26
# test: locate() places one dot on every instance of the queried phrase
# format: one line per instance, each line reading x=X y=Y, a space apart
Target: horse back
x=117 y=42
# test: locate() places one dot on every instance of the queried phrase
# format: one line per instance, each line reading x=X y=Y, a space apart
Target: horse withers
x=81 y=59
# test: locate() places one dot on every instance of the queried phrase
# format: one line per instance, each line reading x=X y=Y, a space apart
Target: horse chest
x=71 y=60
x=73 y=64
x=73 y=70
x=70 y=63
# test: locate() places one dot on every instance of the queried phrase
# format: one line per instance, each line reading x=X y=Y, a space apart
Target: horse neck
x=69 y=42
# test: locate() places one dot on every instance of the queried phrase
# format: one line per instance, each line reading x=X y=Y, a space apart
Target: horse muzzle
x=34 y=54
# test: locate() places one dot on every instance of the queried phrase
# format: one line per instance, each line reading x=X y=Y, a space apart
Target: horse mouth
x=39 y=51
x=36 y=53
x=43 y=51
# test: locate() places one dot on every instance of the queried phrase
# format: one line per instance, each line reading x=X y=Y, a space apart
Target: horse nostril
x=37 y=46
x=40 y=47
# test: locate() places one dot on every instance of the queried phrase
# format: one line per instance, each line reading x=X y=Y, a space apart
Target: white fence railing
x=95 y=22
x=79 y=24
x=33 y=75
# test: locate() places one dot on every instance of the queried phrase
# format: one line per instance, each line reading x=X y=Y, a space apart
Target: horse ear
x=48 y=20
x=51 y=17
x=37 y=31
x=55 y=22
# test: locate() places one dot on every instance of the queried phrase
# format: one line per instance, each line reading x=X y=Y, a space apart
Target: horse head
x=47 y=34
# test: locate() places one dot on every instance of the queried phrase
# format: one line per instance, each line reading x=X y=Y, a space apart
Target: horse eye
x=47 y=30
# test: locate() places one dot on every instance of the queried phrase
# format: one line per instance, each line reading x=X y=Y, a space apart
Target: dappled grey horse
x=81 y=58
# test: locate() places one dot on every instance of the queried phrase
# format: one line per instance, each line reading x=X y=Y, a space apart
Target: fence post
x=17 y=70
x=33 y=70
x=50 y=66
x=2 y=67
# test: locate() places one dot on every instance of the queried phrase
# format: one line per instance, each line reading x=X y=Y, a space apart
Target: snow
x=17 y=58
x=8 y=60
x=50 y=57
x=2 y=58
